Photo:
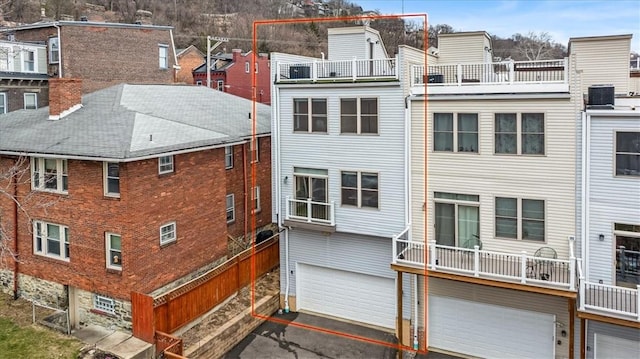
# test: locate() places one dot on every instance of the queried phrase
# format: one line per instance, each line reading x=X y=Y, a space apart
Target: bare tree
x=536 y=46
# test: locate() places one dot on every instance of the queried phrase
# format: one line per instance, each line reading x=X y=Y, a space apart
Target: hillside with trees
x=193 y=20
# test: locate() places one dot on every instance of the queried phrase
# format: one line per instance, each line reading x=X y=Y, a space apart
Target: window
x=54 y=50
x=627 y=263
x=51 y=240
x=49 y=174
x=30 y=101
x=111 y=179
x=199 y=83
x=168 y=233
x=255 y=153
x=359 y=115
x=310 y=121
x=228 y=157
x=518 y=218
x=255 y=199
x=4 y=59
x=220 y=85
x=247 y=67
x=455 y=136
x=360 y=189
x=28 y=61
x=231 y=208
x=628 y=153
x=165 y=164
x=524 y=137
x=163 y=52
x=104 y=304
x=3 y=103
x=256 y=67
x=114 y=251
x=457 y=219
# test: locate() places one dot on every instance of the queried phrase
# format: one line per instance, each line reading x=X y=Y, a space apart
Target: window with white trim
x=460 y=135
x=30 y=101
x=255 y=199
x=457 y=219
x=49 y=174
x=359 y=189
x=627 y=153
x=54 y=50
x=28 y=61
x=255 y=150
x=163 y=56
x=627 y=263
x=199 y=82
x=519 y=218
x=104 y=304
x=228 y=157
x=111 y=173
x=310 y=115
x=51 y=240
x=113 y=244
x=168 y=233
x=519 y=134
x=3 y=103
x=220 y=85
x=359 y=115
x=165 y=164
x=247 y=66
x=231 y=208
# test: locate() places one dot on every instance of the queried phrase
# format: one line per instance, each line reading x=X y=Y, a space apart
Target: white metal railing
x=337 y=70
x=505 y=72
x=520 y=267
x=310 y=211
x=610 y=299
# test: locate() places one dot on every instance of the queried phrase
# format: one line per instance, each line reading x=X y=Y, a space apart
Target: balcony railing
x=492 y=73
x=306 y=210
x=512 y=267
x=340 y=70
x=619 y=301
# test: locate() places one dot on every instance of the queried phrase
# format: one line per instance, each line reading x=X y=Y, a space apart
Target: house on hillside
x=124 y=191
x=232 y=73
x=102 y=54
x=188 y=59
x=23 y=76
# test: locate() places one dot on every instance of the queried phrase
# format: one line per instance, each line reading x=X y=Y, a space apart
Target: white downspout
x=586 y=159
x=176 y=66
x=59 y=50
x=407 y=216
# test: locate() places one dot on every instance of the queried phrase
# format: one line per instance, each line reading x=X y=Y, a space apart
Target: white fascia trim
x=64 y=113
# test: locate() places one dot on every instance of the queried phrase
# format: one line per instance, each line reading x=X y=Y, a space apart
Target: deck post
x=583 y=334
x=523 y=267
x=399 y=318
x=476 y=260
x=638 y=302
x=572 y=325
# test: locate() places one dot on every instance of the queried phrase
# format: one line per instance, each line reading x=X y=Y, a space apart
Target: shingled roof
x=126 y=122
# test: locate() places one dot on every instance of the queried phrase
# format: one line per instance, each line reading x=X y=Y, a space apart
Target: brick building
x=188 y=59
x=23 y=76
x=103 y=54
x=126 y=192
x=232 y=73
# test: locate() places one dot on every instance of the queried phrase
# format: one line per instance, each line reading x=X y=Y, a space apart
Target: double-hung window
x=220 y=85
x=51 y=240
x=231 y=208
x=30 y=101
x=28 y=61
x=247 y=66
x=255 y=199
x=310 y=115
x=359 y=115
x=111 y=179
x=165 y=164
x=163 y=56
x=519 y=218
x=168 y=233
x=113 y=244
x=3 y=103
x=49 y=174
x=255 y=150
x=627 y=153
x=519 y=134
x=460 y=135
x=360 y=189
x=54 y=50
x=228 y=157
x=457 y=221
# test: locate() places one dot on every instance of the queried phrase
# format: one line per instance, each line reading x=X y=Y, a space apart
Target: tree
x=536 y=46
x=434 y=31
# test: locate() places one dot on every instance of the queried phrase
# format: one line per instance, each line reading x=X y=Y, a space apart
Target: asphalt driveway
x=274 y=340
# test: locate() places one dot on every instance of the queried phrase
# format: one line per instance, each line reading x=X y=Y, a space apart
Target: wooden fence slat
x=142 y=317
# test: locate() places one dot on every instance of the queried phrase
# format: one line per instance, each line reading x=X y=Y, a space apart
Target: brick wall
x=15 y=96
x=189 y=60
x=64 y=93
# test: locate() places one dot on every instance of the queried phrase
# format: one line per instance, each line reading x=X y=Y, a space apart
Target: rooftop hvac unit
x=299 y=72
x=601 y=97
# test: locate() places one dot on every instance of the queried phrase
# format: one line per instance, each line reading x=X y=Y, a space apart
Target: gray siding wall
x=611 y=330
x=592 y=56
x=613 y=199
x=335 y=152
x=462 y=48
x=347 y=46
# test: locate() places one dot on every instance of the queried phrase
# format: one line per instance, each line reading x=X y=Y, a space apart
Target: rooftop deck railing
x=309 y=211
x=337 y=70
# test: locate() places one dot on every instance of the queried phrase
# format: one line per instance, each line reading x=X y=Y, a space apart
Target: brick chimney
x=236 y=54
x=65 y=96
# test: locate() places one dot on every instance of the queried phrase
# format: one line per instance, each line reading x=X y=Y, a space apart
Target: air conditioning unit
x=601 y=97
x=299 y=72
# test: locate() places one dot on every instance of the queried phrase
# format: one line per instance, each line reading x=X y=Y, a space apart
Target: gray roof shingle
x=130 y=121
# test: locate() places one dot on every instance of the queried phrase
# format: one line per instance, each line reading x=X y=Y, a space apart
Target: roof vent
x=138 y=22
x=601 y=97
x=84 y=18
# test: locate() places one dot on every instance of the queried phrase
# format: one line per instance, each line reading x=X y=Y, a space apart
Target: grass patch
x=35 y=342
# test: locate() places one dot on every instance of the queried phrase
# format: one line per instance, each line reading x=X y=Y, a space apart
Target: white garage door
x=490 y=331
x=354 y=296
x=615 y=348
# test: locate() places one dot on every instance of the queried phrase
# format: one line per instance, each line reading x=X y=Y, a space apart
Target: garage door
x=490 y=331
x=354 y=296
x=614 y=348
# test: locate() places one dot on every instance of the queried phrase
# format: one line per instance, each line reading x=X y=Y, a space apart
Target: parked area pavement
x=275 y=340
x=123 y=345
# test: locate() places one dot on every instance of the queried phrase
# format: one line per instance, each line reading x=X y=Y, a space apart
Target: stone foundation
x=120 y=320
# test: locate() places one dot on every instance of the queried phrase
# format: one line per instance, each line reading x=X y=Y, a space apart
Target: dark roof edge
x=41 y=25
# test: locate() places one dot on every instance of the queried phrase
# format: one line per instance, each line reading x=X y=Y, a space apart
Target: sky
x=562 y=19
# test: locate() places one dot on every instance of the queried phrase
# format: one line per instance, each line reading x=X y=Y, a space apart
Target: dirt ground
x=20 y=311
x=267 y=285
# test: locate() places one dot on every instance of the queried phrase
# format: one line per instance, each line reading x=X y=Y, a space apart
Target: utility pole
x=219 y=41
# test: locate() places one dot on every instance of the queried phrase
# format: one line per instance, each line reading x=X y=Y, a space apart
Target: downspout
x=176 y=67
x=16 y=264
x=246 y=191
x=407 y=211
x=586 y=157
x=60 y=51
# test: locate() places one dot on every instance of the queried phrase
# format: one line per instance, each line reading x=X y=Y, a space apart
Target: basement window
x=104 y=304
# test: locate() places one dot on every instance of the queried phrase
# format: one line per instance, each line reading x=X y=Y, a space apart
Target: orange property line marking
x=254 y=116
